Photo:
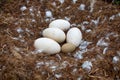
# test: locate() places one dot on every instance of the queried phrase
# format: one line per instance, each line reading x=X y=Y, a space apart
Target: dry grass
x=18 y=59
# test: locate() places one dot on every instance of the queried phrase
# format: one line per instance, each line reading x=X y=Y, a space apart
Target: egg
x=55 y=34
x=74 y=36
x=68 y=47
x=61 y=24
x=47 y=45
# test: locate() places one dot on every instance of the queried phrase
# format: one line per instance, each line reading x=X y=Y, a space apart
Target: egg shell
x=74 y=36
x=47 y=45
x=61 y=24
x=55 y=34
x=68 y=47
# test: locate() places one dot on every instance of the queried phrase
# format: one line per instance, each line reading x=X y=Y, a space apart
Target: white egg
x=47 y=45
x=55 y=34
x=74 y=36
x=60 y=23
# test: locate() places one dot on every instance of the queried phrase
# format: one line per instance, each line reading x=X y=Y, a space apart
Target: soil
x=18 y=29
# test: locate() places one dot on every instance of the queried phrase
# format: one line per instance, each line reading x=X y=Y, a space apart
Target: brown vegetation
x=20 y=61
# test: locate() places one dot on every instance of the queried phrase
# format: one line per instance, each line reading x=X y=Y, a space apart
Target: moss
x=5 y=0
x=2 y=2
x=117 y=2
